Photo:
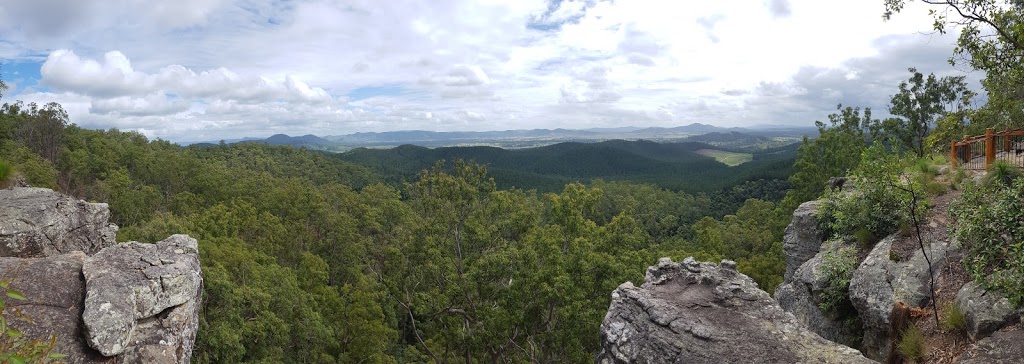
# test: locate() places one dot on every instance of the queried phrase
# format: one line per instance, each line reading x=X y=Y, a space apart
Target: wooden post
x=952 y=154
x=990 y=147
x=1006 y=140
x=967 y=152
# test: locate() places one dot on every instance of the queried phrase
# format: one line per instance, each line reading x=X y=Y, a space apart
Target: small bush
x=879 y=205
x=925 y=167
x=837 y=268
x=988 y=227
x=4 y=171
x=911 y=345
x=952 y=318
x=1002 y=173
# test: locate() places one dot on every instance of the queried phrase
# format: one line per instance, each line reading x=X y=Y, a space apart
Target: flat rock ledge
x=38 y=222
x=700 y=312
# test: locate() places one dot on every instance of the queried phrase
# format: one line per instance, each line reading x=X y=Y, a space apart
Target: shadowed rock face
x=803 y=238
x=692 y=312
x=103 y=302
x=38 y=222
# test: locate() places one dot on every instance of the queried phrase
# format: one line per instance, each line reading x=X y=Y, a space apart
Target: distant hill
x=739 y=139
x=675 y=166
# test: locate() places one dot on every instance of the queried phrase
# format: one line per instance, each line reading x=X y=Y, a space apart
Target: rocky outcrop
x=879 y=282
x=800 y=297
x=985 y=311
x=692 y=312
x=55 y=288
x=1003 y=347
x=142 y=299
x=127 y=303
x=38 y=222
x=803 y=238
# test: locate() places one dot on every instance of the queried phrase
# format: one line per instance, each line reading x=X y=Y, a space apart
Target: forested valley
x=310 y=258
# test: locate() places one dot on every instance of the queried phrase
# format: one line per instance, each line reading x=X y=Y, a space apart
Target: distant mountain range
x=514 y=139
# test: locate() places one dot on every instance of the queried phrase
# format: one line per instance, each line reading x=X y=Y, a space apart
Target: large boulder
x=1003 y=347
x=802 y=239
x=102 y=303
x=692 y=312
x=800 y=297
x=142 y=300
x=878 y=283
x=38 y=222
x=54 y=287
x=986 y=311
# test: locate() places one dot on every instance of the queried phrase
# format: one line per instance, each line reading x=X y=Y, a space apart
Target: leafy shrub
x=877 y=207
x=837 y=268
x=952 y=318
x=1003 y=173
x=5 y=172
x=989 y=226
x=911 y=344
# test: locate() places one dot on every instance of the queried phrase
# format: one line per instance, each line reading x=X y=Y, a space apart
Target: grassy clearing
x=730 y=159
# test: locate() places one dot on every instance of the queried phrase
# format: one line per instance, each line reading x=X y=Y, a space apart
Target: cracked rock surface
x=143 y=298
x=38 y=222
x=101 y=302
x=878 y=283
x=699 y=312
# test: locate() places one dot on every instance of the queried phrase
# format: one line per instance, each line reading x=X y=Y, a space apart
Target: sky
x=201 y=70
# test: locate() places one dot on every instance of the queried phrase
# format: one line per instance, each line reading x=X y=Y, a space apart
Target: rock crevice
x=103 y=302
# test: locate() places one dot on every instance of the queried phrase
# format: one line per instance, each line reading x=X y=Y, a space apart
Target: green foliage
x=549 y=168
x=1003 y=173
x=835 y=153
x=911 y=344
x=37 y=171
x=5 y=172
x=837 y=266
x=879 y=204
x=15 y=347
x=752 y=237
x=310 y=258
x=920 y=102
x=952 y=318
x=988 y=225
x=989 y=41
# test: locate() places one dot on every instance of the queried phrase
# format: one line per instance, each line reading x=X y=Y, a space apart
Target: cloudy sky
x=191 y=70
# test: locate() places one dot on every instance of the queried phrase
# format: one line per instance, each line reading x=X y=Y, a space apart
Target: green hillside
x=676 y=166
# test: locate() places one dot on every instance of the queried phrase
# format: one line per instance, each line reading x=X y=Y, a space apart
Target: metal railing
x=979 y=152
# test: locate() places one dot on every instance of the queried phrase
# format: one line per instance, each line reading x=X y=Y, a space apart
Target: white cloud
x=197 y=69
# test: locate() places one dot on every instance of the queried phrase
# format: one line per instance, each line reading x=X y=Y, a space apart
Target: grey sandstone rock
x=54 y=287
x=38 y=222
x=693 y=312
x=803 y=238
x=136 y=303
x=985 y=311
x=1003 y=347
x=137 y=293
x=879 y=282
x=800 y=297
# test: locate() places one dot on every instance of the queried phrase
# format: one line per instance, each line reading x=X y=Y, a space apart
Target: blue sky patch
x=374 y=91
x=20 y=74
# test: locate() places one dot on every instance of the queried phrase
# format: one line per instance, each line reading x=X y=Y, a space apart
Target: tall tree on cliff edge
x=991 y=40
